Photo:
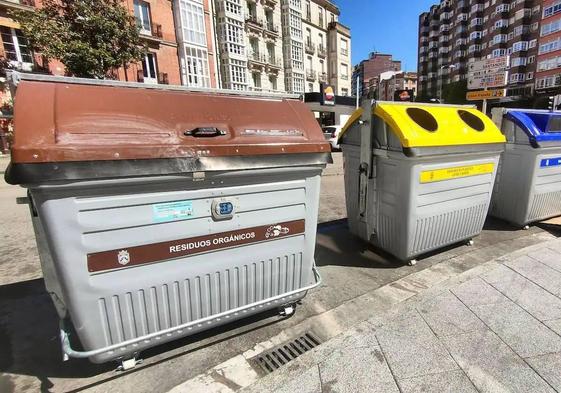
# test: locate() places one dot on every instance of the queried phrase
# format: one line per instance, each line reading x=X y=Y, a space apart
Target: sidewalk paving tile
x=446 y=315
x=477 y=292
x=412 y=349
x=548 y=366
x=357 y=370
x=500 y=274
x=307 y=382
x=555 y=325
x=548 y=257
x=492 y=366
x=523 y=333
x=531 y=297
x=447 y=382
x=537 y=272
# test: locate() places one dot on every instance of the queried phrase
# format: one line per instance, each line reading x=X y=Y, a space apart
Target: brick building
x=457 y=32
x=155 y=20
x=548 y=73
x=369 y=71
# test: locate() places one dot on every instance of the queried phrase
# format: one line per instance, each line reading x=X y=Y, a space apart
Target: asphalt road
x=30 y=357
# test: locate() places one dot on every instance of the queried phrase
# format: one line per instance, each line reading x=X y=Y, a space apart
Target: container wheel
x=412 y=262
x=526 y=227
x=470 y=242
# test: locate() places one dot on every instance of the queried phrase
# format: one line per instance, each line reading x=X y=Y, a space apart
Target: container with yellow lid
x=418 y=177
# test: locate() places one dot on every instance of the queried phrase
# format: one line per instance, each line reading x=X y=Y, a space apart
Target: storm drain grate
x=274 y=358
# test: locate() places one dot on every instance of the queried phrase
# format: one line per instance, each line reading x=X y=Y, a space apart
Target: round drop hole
x=471 y=120
x=423 y=118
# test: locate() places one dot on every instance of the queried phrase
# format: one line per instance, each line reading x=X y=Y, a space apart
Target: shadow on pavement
x=31 y=346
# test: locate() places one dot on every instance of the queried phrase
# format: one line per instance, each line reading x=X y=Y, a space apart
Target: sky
x=388 y=26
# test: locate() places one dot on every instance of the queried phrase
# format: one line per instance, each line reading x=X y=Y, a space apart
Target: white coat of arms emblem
x=123 y=257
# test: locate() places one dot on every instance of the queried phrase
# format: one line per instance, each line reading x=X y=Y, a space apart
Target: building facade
x=326 y=47
x=196 y=49
x=455 y=33
x=256 y=45
x=548 y=72
x=368 y=73
x=392 y=82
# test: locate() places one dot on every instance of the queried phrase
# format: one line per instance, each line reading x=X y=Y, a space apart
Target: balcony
x=322 y=51
x=155 y=34
x=311 y=75
x=257 y=60
x=271 y=30
x=252 y=21
x=310 y=47
x=274 y=62
x=323 y=77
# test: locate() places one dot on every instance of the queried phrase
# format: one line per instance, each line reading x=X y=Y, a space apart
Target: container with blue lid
x=541 y=127
x=528 y=185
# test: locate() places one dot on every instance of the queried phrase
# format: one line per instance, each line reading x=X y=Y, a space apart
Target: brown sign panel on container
x=157 y=252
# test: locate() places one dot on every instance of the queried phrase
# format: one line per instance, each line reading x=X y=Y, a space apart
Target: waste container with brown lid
x=162 y=212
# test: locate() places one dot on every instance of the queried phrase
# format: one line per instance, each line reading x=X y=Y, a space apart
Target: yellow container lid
x=420 y=125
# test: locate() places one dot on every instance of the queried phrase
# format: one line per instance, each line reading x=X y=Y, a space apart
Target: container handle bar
x=205 y=132
x=68 y=352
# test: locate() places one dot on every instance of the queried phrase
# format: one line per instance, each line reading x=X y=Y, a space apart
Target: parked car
x=331 y=133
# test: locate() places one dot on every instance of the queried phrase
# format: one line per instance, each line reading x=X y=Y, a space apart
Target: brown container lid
x=57 y=122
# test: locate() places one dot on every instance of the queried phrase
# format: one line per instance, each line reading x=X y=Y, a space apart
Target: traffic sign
x=485 y=94
x=488 y=73
x=481 y=81
x=495 y=64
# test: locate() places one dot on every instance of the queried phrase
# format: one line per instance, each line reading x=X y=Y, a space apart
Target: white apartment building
x=195 y=41
x=264 y=45
x=327 y=46
x=293 y=46
x=282 y=45
x=230 y=32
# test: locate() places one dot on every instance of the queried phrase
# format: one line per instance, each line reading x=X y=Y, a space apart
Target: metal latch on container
x=205 y=132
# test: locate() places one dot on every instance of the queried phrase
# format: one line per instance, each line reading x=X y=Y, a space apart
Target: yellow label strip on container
x=456 y=172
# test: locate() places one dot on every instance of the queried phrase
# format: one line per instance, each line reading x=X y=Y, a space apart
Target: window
x=499 y=52
x=550 y=46
x=308 y=10
x=345 y=92
x=150 y=68
x=532 y=43
x=529 y=76
x=320 y=20
x=518 y=61
x=310 y=87
x=502 y=8
x=531 y=59
x=142 y=15
x=475 y=35
x=344 y=47
x=550 y=28
x=549 y=64
x=514 y=78
x=196 y=67
x=520 y=46
x=16 y=48
x=273 y=82
x=552 y=10
x=193 y=22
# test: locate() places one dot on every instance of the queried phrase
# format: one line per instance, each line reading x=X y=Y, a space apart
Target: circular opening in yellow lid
x=423 y=118
x=471 y=120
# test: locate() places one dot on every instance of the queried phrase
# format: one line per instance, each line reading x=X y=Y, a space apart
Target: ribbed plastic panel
x=545 y=205
x=447 y=228
x=352 y=176
x=388 y=232
x=153 y=309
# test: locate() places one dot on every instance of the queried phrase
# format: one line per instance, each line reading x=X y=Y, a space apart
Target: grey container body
x=395 y=211
x=110 y=307
x=526 y=192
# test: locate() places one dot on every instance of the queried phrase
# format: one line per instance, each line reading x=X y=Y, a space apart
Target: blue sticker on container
x=548 y=162
x=172 y=211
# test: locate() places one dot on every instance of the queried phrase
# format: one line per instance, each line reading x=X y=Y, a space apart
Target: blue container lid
x=539 y=125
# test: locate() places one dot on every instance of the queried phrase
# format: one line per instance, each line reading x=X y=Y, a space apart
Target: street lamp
x=451 y=67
